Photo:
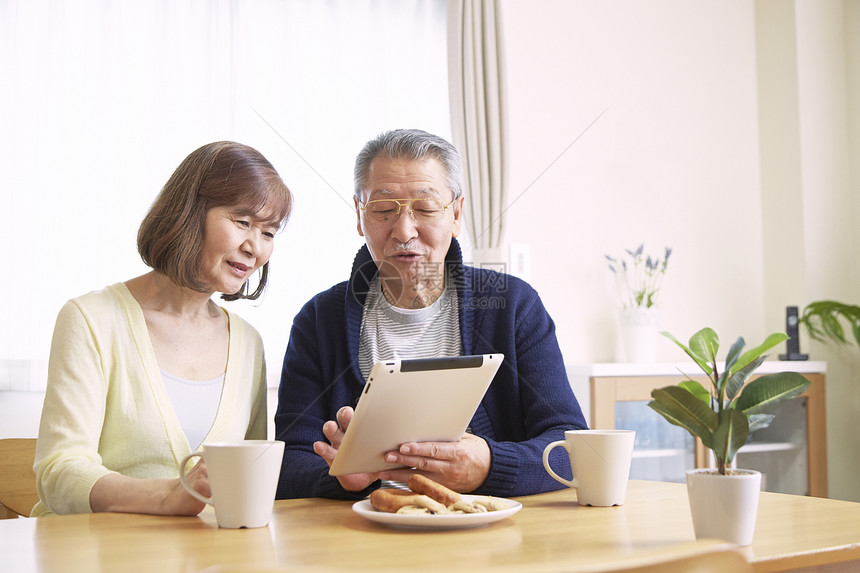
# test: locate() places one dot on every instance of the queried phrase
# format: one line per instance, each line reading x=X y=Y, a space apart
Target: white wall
x=827 y=36
x=673 y=161
x=724 y=134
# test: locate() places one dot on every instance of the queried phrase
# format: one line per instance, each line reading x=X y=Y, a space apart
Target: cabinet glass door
x=662 y=451
x=779 y=451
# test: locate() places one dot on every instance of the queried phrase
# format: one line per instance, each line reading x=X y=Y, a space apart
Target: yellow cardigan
x=106 y=407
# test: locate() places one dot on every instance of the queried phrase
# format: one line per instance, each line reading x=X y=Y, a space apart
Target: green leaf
x=832 y=328
x=696 y=390
x=705 y=345
x=739 y=378
x=731 y=433
x=814 y=332
x=682 y=408
x=821 y=319
x=734 y=353
x=764 y=392
x=769 y=342
x=703 y=363
x=760 y=421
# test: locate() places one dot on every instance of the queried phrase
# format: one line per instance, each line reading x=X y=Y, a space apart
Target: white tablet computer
x=424 y=400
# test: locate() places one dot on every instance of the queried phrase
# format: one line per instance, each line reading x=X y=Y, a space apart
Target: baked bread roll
x=427 y=496
x=391 y=500
x=426 y=486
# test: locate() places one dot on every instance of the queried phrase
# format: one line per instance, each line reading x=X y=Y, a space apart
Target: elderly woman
x=144 y=371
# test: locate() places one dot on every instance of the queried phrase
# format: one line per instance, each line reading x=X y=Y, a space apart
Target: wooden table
x=550 y=533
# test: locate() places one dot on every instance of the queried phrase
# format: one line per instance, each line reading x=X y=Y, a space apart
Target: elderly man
x=410 y=296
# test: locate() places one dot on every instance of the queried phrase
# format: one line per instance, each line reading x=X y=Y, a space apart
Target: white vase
x=637 y=334
x=724 y=506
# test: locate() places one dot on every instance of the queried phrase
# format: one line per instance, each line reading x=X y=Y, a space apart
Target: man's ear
x=458 y=216
x=358 y=217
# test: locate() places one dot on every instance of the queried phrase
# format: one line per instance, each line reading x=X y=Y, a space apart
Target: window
x=104 y=99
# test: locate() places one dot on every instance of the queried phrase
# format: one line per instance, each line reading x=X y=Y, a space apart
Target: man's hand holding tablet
x=334 y=432
x=410 y=419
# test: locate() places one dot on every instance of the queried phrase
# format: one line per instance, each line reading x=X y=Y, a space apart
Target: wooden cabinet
x=791 y=454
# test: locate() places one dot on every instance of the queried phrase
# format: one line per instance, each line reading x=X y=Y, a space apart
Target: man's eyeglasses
x=387 y=210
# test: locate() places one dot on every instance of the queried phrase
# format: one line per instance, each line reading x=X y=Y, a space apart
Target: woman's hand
x=119 y=493
x=179 y=501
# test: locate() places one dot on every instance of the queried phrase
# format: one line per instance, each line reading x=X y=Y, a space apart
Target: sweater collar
x=364 y=270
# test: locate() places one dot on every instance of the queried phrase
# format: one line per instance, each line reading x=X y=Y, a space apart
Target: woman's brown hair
x=220 y=174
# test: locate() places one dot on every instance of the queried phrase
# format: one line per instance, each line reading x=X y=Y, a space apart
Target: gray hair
x=412 y=144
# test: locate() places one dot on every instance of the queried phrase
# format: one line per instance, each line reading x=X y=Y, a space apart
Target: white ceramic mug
x=243 y=477
x=600 y=463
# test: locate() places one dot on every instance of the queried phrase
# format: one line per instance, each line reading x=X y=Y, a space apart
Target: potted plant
x=638 y=278
x=822 y=321
x=723 y=416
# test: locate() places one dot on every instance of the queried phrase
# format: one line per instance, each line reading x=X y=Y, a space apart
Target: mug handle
x=552 y=474
x=182 y=479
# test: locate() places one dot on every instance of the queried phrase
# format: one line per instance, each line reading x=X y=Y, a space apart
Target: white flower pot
x=637 y=334
x=724 y=506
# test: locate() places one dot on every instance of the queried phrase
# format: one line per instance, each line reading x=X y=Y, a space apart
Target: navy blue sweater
x=528 y=405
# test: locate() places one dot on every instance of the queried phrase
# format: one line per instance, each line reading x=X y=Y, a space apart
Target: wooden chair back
x=17 y=480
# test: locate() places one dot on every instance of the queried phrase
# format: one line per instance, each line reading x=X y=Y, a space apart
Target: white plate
x=365 y=509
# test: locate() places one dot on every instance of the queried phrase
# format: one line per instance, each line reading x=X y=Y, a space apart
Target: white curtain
x=478 y=119
x=101 y=100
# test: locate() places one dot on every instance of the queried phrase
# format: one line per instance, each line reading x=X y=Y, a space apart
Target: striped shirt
x=389 y=332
